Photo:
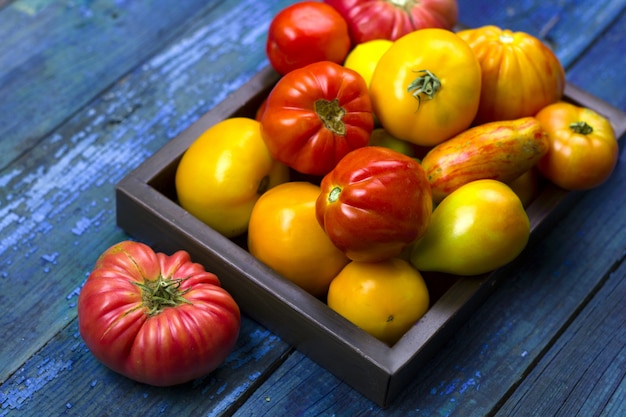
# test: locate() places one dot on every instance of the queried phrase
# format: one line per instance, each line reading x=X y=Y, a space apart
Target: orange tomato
x=284 y=234
x=583 y=148
x=383 y=298
x=520 y=74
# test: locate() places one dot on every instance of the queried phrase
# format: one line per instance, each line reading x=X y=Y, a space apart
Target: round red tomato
x=392 y=19
x=374 y=203
x=157 y=319
x=315 y=115
x=304 y=33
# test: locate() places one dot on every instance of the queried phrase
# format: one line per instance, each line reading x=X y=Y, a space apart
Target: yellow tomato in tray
x=426 y=87
x=364 y=57
x=223 y=173
x=285 y=235
x=383 y=298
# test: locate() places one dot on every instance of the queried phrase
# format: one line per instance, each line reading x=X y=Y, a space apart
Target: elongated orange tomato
x=520 y=74
x=498 y=150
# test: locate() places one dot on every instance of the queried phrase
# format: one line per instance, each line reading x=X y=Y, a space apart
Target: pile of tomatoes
x=391 y=146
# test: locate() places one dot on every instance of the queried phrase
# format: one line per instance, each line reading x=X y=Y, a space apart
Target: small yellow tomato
x=383 y=298
x=285 y=235
x=223 y=173
x=364 y=57
x=426 y=87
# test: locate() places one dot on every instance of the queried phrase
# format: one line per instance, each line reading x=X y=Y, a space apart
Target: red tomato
x=304 y=33
x=315 y=115
x=157 y=319
x=391 y=19
x=374 y=203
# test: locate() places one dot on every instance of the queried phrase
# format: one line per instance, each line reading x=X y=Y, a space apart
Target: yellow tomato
x=285 y=235
x=364 y=57
x=383 y=298
x=223 y=173
x=477 y=228
x=426 y=87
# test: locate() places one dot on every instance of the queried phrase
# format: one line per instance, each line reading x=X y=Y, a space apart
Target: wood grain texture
x=57 y=201
x=92 y=88
x=58 y=56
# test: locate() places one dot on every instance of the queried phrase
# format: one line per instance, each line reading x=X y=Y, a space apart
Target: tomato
x=364 y=57
x=583 y=148
x=285 y=235
x=477 y=228
x=383 y=298
x=426 y=94
x=520 y=74
x=380 y=137
x=304 y=33
x=374 y=203
x=157 y=319
x=223 y=173
x=526 y=186
x=315 y=115
x=392 y=19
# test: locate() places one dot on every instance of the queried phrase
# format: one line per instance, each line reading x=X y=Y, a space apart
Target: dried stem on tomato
x=427 y=84
x=331 y=114
x=581 y=127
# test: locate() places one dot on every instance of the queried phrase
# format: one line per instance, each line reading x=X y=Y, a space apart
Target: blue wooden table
x=90 y=89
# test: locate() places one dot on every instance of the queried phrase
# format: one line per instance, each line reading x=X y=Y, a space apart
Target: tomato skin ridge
x=501 y=151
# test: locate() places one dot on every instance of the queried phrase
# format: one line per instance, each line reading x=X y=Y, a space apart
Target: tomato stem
x=581 y=127
x=331 y=114
x=427 y=84
x=161 y=293
x=333 y=195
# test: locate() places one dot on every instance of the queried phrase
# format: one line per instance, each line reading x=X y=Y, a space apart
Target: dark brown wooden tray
x=147 y=209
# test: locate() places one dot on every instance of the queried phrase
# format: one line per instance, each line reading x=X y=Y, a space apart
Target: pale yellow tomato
x=383 y=298
x=364 y=57
x=223 y=173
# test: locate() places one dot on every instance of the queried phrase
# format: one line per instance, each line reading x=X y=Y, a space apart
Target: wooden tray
x=147 y=209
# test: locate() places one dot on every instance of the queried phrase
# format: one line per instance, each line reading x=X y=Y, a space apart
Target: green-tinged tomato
x=479 y=227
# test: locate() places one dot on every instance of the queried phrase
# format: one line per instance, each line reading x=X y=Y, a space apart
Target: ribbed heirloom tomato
x=285 y=235
x=392 y=19
x=520 y=74
x=374 y=203
x=157 y=319
x=315 y=115
x=426 y=87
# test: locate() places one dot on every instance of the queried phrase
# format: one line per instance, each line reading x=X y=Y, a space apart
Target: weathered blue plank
x=57 y=202
x=65 y=379
x=56 y=56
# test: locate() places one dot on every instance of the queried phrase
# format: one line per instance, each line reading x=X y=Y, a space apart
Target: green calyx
x=581 y=127
x=333 y=195
x=426 y=85
x=159 y=294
